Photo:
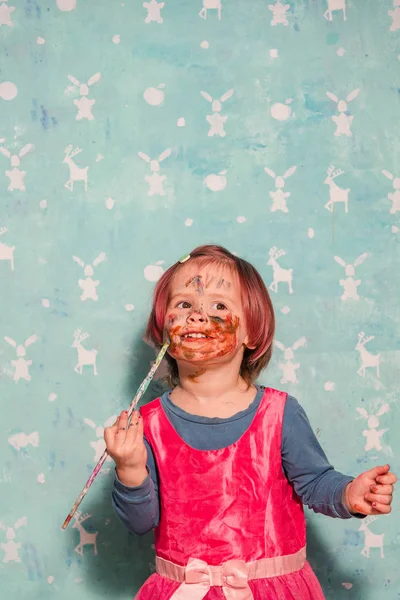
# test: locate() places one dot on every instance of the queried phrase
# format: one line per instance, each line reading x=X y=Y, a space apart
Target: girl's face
x=204 y=318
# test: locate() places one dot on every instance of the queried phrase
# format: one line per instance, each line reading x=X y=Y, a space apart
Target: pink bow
x=199 y=577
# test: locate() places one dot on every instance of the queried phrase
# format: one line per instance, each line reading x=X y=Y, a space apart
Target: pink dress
x=231 y=526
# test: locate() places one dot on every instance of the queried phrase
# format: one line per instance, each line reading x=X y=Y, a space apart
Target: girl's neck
x=220 y=392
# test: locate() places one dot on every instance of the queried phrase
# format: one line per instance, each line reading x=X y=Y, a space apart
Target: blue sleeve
x=306 y=466
x=138 y=507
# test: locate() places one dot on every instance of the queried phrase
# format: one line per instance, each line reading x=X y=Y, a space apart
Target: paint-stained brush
x=141 y=390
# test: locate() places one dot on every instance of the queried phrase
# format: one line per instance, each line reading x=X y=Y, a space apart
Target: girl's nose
x=196 y=317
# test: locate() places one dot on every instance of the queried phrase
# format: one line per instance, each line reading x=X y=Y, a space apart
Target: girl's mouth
x=195 y=336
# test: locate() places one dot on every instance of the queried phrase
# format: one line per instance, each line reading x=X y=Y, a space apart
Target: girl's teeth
x=195 y=335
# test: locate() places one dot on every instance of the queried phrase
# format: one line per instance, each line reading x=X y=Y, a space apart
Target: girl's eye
x=219 y=306
x=184 y=304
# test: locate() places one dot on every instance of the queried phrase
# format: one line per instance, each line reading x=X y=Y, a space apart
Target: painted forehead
x=212 y=277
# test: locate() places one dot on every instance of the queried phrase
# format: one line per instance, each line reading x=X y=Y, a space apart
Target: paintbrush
x=141 y=390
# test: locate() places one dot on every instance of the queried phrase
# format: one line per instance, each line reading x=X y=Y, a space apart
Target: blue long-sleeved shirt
x=304 y=462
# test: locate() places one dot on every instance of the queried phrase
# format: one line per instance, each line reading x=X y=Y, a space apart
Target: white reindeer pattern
x=371 y=540
x=85 y=357
x=75 y=173
x=85 y=538
x=367 y=359
x=6 y=252
x=280 y=275
x=337 y=194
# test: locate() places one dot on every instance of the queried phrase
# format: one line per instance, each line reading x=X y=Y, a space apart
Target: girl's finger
x=123 y=420
x=382 y=509
x=132 y=429
x=381 y=499
x=390 y=478
x=381 y=489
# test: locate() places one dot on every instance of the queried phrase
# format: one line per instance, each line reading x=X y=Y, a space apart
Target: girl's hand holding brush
x=126 y=446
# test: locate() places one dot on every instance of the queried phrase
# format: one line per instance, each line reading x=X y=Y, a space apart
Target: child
x=220 y=466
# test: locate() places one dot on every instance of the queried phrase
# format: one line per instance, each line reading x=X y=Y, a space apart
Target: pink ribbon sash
x=197 y=576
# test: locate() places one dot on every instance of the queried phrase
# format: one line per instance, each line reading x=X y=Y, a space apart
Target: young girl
x=220 y=466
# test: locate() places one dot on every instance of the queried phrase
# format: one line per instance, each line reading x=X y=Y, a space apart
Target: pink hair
x=257 y=307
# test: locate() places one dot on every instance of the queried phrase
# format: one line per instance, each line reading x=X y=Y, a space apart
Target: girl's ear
x=246 y=344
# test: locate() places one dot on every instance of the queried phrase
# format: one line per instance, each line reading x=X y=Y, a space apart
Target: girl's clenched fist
x=126 y=447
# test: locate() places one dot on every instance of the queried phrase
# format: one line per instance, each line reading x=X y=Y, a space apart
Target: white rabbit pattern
x=99 y=445
x=350 y=285
x=395 y=14
x=5 y=13
x=21 y=365
x=211 y=5
x=343 y=121
x=279 y=16
x=84 y=105
x=155 y=180
x=11 y=547
x=279 y=196
x=394 y=197
x=216 y=120
x=289 y=367
x=89 y=285
x=153 y=11
x=15 y=175
x=372 y=434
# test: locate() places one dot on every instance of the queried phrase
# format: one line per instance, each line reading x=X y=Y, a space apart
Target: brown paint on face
x=197 y=283
x=220 y=340
x=193 y=376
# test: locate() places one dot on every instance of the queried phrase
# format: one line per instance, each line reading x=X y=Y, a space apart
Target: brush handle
x=141 y=390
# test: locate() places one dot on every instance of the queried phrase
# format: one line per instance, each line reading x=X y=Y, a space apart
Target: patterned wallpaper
x=131 y=132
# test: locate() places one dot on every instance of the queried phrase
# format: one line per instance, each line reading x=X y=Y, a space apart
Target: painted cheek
x=170 y=319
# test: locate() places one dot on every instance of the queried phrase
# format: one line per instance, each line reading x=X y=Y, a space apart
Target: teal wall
x=145 y=95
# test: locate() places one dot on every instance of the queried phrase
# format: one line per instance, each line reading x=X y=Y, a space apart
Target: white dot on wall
x=189 y=222
x=8 y=90
x=285 y=310
x=110 y=203
x=40 y=40
x=310 y=232
x=50 y=579
x=40 y=478
x=181 y=122
x=43 y=204
x=281 y=112
x=204 y=44
x=395 y=229
x=154 y=96
x=116 y=39
x=329 y=386
x=129 y=307
x=273 y=53
x=99 y=157
x=347 y=585
x=241 y=219
x=42 y=261
x=52 y=397
x=45 y=302
x=340 y=51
